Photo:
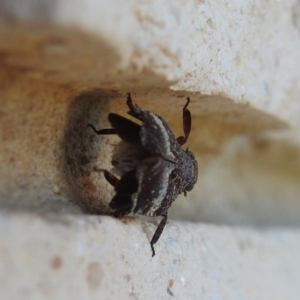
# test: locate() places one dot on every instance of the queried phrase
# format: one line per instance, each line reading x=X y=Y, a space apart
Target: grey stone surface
x=65 y=63
x=66 y=257
x=245 y=51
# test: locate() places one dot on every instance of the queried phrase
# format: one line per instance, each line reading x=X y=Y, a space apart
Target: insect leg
x=111 y=178
x=103 y=131
x=133 y=110
x=158 y=232
x=187 y=124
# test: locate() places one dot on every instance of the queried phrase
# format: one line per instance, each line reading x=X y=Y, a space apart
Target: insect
x=150 y=166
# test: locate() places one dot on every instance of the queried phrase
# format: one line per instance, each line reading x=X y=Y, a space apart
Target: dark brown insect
x=150 y=166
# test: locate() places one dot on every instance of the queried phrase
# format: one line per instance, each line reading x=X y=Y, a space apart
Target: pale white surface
x=64 y=257
x=245 y=50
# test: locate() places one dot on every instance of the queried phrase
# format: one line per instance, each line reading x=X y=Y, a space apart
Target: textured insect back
x=150 y=167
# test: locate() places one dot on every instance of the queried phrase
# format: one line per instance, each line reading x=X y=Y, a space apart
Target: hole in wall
x=216 y=120
x=45 y=111
x=83 y=151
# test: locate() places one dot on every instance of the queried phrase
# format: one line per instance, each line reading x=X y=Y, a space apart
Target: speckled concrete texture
x=66 y=257
x=242 y=50
x=67 y=63
x=245 y=51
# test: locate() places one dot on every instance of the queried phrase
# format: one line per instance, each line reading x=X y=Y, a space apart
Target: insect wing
x=127 y=130
x=126 y=187
x=154 y=187
x=156 y=135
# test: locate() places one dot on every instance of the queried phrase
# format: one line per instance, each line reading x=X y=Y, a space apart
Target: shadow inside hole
x=82 y=148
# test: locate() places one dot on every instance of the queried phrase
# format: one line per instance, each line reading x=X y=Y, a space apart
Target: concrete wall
x=68 y=63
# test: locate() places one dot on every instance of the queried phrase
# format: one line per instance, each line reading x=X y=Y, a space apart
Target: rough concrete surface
x=67 y=63
x=243 y=50
x=102 y=258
